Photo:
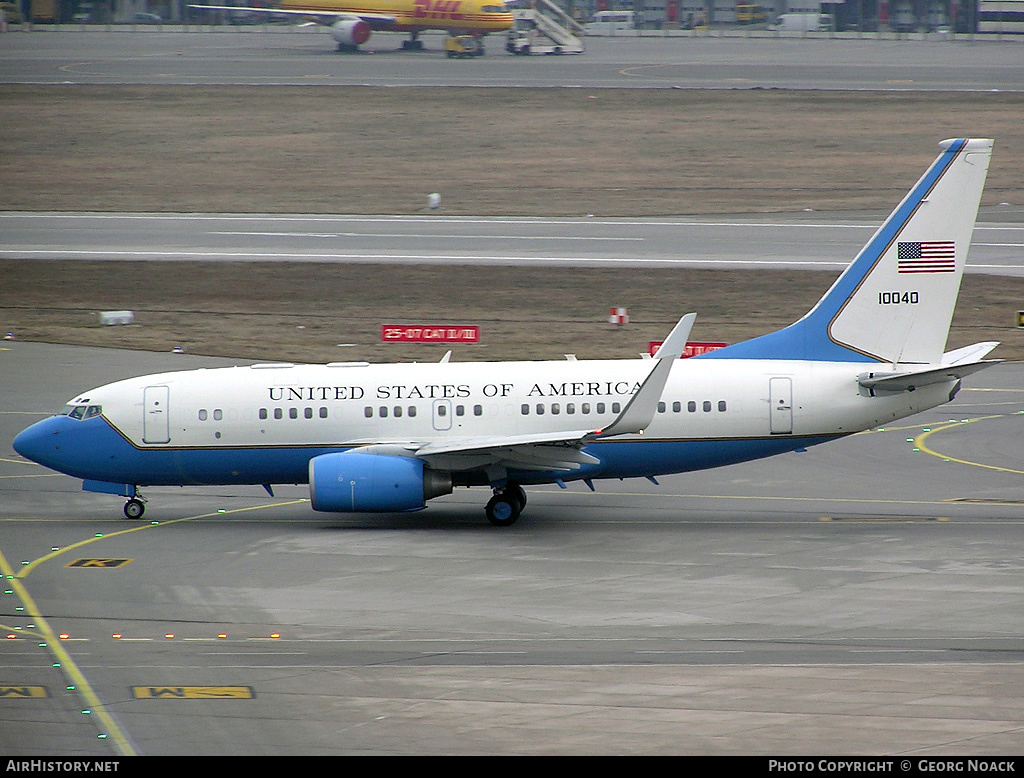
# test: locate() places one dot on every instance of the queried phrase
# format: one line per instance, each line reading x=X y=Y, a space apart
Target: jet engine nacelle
x=352 y=482
x=350 y=32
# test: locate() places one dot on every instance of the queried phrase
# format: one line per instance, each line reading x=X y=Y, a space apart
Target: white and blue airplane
x=384 y=438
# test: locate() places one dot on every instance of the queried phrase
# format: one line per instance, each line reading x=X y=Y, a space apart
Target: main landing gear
x=505 y=506
x=413 y=44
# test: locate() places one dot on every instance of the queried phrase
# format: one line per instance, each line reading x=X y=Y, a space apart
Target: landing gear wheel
x=515 y=490
x=503 y=509
x=134 y=508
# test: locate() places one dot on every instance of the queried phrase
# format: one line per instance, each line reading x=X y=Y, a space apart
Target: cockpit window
x=81 y=411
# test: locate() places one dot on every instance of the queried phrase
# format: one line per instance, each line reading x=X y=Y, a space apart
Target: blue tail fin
x=895 y=301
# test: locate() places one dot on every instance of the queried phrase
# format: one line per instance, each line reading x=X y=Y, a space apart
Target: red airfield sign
x=429 y=333
x=692 y=349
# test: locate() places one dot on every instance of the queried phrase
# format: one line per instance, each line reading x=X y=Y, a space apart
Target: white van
x=610 y=23
x=801 y=23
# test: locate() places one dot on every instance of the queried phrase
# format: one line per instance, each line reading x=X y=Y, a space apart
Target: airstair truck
x=543 y=28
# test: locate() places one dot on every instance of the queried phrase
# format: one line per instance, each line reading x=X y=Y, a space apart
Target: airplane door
x=780 y=398
x=155 y=421
x=442 y=414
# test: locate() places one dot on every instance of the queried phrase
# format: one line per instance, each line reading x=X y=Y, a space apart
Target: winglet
x=640 y=410
x=672 y=347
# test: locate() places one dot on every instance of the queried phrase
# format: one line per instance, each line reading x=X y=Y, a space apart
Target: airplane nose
x=34 y=442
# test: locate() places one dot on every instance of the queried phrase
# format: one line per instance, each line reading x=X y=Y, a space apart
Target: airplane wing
x=515 y=452
x=375 y=20
x=561 y=450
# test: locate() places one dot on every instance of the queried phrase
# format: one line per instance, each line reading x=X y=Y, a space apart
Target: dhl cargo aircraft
x=383 y=438
x=352 y=22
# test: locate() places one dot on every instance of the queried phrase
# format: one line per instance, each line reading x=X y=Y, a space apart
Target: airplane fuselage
x=456 y=16
x=263 y=424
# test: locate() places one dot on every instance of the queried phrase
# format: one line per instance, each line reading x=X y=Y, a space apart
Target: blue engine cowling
x=352 y=482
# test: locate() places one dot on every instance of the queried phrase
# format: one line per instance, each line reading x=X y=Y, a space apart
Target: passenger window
x=525 y=409
x=383 y=412
x=616 y=407
x=323 y=411
x=478 y=410
x=412 y=410
x=308 y=413
x=585 y=408
x=721 y=405
x=570 y=408
x=540 y=409
x=691 y=406
x=677 y=406
x=368 y=412
x=293 y=413
x=398 y=411
x=263 y=413
x=661 y=407
x=707 y=406
x=600 y=407
x=278 y=413
x=460 y=411
x=218 y=414
x=555 y=409
x=202 y=414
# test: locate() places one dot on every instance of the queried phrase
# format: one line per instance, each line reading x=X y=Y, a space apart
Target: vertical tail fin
x=895 y=301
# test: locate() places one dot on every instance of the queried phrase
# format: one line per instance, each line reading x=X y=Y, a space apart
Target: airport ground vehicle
x=801 y=23
x=463 y=46
x=747 y=13
x=610 y=23
x=544 y=28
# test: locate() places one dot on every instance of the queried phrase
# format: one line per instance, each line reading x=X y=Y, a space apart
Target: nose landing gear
x=134 y=508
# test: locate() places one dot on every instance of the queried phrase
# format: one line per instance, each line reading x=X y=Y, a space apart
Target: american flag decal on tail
x=929 y=256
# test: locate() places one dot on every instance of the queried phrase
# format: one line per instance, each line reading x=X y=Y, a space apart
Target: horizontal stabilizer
x=974 y=353
x=908 y=382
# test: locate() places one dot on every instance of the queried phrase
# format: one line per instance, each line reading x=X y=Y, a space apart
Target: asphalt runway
x=785 y=241
x=860 y=598
x=271 y=55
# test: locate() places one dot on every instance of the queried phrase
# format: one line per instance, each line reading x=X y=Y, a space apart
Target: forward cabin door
x=442 y=415
x=780 y=399
x=156 y=427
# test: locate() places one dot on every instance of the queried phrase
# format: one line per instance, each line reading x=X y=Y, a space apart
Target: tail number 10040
x=898 y=298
